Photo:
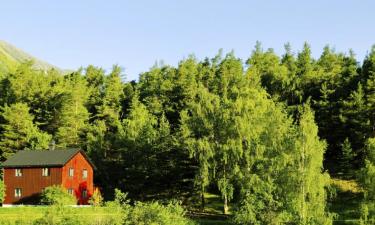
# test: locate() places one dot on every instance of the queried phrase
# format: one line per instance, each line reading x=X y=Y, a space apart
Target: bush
x=157 y=214
x=96 y=199
x=57 y=195
x=119 y=206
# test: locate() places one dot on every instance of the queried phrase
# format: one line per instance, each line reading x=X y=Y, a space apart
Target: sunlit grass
x=28 y=214
x=346 y=185
x=346 y=203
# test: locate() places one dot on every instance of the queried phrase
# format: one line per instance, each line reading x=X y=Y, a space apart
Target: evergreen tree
x=137 y=139
x=355 y=120
x=292 y=93
x=368 y=72
x=73 y=115
x=19 y=132
x=347 y=159
x=112 y=98
x=95 y=79
x=40 y=90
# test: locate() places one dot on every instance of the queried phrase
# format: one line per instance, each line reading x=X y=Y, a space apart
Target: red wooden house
x=27 y=173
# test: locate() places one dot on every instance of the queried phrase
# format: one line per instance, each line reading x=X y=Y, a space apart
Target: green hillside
x=10 y=56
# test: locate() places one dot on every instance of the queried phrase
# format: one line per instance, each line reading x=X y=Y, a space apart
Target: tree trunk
x=225 y=208
x=303 y=186
x=202 y=201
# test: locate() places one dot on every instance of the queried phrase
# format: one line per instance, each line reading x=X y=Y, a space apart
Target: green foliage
x=348 y=157
x=2 y=191
x=367 y=178
x=96 y=199
x=73 y=114
x=26 y=215
x=19 y=132
x=311 y=196
x=57 y=195
x=243 y=131
x=155 y=213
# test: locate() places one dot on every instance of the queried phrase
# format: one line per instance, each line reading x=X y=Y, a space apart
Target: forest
x=275 y=137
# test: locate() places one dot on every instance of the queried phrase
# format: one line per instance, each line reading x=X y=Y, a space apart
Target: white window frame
x=71 y=172
x=18 y=172
x=18 y=192
x=46 y=172
x=70 y=191
x=84 y=173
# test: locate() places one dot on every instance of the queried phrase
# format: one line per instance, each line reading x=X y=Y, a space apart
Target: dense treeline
x=257 y=132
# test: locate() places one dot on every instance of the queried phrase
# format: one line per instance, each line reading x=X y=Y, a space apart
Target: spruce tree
x=19 y=132
x=73 y=115
x=347 y=159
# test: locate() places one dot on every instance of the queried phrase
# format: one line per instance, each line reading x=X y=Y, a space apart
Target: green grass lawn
x=212 y=222
x=28 y=214
x=213 y=212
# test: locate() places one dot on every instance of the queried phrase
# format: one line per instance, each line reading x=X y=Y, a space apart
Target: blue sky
x=136 y=34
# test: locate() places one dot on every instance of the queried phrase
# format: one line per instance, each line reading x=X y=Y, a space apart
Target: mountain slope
x=10 y=56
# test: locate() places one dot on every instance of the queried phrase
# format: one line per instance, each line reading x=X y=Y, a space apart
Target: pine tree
x=95 y=79
x=292 y=92
x=136 y=138
x=73 y=115
x=112 y=97
x=19 y=132
x=368 y=72
x=355 y=120
x=347 y=159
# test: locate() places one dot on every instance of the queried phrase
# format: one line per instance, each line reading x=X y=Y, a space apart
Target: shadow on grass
x=213 y=212
x=346 y=205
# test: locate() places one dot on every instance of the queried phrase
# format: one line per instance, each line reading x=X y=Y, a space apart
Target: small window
x=71 y=172
x=18 y=173
x=17 y=192
x=70 y=191
x=45 y=172
x=84 y=194
x=84 y=173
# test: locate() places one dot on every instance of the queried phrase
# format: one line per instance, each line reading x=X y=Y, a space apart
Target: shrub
x=155 y=213
x=96 y=199
x=120 y=207
x=57 y=195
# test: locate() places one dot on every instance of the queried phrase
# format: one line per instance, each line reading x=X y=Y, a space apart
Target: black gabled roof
x=49 y=158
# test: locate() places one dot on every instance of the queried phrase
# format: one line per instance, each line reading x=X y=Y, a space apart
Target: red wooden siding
x=31 y=182
x=77 y=182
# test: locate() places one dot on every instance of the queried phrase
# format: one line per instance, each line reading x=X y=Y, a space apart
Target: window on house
x=71 y=172
x=84 y=173
x=84 y=194
x=17 y=192
x=18 y=172
x=70 y=191
x=45 y=172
